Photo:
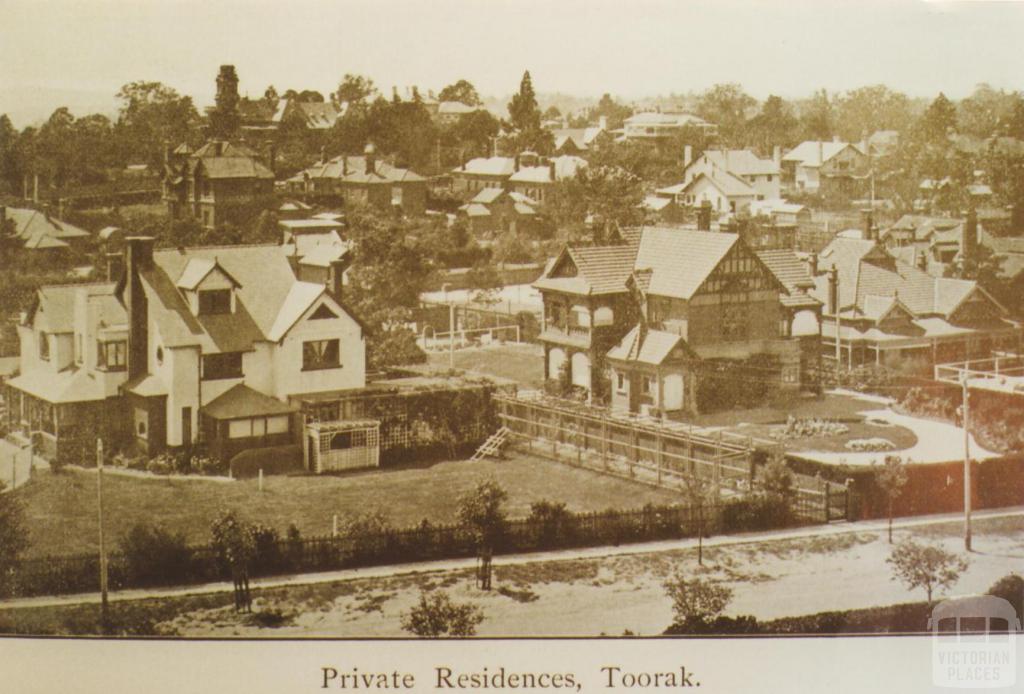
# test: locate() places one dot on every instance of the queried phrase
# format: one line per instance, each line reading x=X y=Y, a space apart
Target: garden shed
x=342 y=445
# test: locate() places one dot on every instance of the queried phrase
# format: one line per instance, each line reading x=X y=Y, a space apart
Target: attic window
x=44 y=346
x=214 y=301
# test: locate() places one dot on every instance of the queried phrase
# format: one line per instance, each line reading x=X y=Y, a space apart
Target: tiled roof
x=681 y=258
x=667 y=119
x=792 y=273
x=75 y=385
x=54 y=310
x=241 y=401
x=924 y=226
x=600 y=270
x=39 y=230
x=741 y=162
x=565 y=166
x=234 y=167
x=725 y=182
x=488 y=195
x=353 y=170
x=645 y=346
x=806 y=153
x=319 y=116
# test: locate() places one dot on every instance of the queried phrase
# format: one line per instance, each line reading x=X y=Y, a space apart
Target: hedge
x=273 y=460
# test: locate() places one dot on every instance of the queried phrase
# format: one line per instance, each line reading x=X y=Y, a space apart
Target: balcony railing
x=576 y=331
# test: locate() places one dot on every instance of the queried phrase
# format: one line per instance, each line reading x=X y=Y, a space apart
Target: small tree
x=696 y=600
x=891 y=477
x=925 y=566
x=13 y=537
x=437 y=615
x=698 y=493
x=480 y=510
x=155 y=555
x=236 y=545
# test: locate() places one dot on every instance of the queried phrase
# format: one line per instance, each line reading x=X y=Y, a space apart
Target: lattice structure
x=493 y=445
x=346 y=445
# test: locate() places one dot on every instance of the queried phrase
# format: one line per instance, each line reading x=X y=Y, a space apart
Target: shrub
x=439 y=616
x=872 y=444
x=1011 y=589
x=153 y=555
x=205 y=465
x=273 y=460
x=555 y=525
x=925 y=566
x=696 y=599
x=756 y=512
x=162 y=464
x=806 y=427
x=744 y=624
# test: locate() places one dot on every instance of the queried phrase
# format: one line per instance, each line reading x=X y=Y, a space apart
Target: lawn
x=62 y=518
x=517 y=362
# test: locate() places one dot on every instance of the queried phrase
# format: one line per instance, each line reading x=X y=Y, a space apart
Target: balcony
x=565 y=333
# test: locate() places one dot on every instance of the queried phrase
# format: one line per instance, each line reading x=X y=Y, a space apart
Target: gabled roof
x=807 y=153
x=53 y=310
x=678 y=120
x=234 y=167
x=300 y=297
x=455 y=108
x=196 y=271
x=727 y=184
x=488 y=195
x=646 y=346
x=681 y=259
x=73 y=385
x=39 y=230
x=739 y=162
x=793 y=274
x=565 y=167
x=924 y=226
x=599 y=270
x=241 y=401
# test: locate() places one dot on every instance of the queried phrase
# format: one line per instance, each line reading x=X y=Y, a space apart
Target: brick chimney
x=323 y=154
x=370 y=155
x=138 y=258
x=812 y=264
x=869 y=226
x=336 y=277
x=515 y=163
x=167 y=152
x=821 y=152
x=687 y=155
x=551 y=171
x=704 y=217
x=777 y=156
x=271 y=154
x=969 y=243
x=833 y=290
x=602 y=122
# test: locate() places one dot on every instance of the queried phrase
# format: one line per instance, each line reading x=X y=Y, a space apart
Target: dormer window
x=44 y=346
x=214 y=301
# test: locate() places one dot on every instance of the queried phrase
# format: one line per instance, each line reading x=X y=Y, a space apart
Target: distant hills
x=33 y=105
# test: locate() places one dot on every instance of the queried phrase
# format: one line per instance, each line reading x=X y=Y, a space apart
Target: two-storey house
x=655 y=125
x=826 y=167
x=713 y=329
x=74 y=341
x=219 y=183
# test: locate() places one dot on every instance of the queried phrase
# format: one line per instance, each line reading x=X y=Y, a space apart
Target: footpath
x=509 y=559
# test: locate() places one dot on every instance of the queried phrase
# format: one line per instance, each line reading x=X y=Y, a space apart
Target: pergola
x=342 y=445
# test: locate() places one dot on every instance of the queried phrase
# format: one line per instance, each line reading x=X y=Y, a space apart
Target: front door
x=186 y=426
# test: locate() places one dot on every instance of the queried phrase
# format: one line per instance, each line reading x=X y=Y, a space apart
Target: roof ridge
x=269 y=244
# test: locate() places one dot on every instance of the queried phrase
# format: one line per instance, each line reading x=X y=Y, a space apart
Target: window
x=214 y=301
x=321 y=354
x=323 y=313
x=44 y=346
x=257 y=426
x=111 y=356
x=396 y=195
x=620 y=382
x=159 y=355
x=78 y=348
x=646 y=385
x=223 y=365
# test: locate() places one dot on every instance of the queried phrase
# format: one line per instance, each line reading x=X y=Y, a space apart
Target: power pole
x=967 y=459
x=104 y=613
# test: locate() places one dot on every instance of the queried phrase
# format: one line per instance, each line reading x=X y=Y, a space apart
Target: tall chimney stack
x=35 y=188
x=969 y=244
x=138 y=258
x=336 y=277
x=777 y=156
x=833 y=290
x=687 y=155
x=370 y=155
x=704 y=216
x=812 y=264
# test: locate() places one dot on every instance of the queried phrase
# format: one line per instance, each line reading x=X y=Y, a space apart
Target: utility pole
x=451 y=335
x=104 y=612
x=967 y=458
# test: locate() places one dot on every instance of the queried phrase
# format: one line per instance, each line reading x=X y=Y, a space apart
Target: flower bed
x=873 y=444
x=808 y=427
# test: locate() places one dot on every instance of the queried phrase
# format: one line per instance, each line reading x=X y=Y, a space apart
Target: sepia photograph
x=637 y=327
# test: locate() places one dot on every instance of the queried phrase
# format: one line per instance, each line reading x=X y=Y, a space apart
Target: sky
x=70 y=49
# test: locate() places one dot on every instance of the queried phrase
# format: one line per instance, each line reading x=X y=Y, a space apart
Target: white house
x=763 y=175
x=653 y=125
x=817 y=166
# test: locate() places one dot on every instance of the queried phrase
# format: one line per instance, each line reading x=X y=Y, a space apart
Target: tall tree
x=152 y=113
x=938 y=121
x=726 y=105
x=614 y=112
x=864 y=110
x=355 y=89
x=776 y=124
x=224 y=118
x=522 y=109
x=816 y=117
x=462 y=91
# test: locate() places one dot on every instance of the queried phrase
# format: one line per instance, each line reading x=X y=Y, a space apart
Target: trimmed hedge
x=273 y=460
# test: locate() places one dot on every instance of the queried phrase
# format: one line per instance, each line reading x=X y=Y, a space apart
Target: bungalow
x=364 y=180
x=763 y=175
x=482 y=172
x=535 y=177
x=653 y=126
x=931 y=244
x=581 y=140
x=38 y=231
x=825 y=167
x=887 y=312
x=200 y=345
x=716 y=188
x=496 y=210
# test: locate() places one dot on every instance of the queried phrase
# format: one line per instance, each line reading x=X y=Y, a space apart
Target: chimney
x=370 y=156
x=3 y=214
x=725 y=153
x=167 y=152
x=551 y=170
x=922 y=261
x=344 y=165
x=336 y=277
x=60 y=208
x=515 y=163
x=323 y=154
x=835 y=138
x=704 y=216
x=271 y=150
x=35 y=188
x=687 y=155
x=833 y=290
x=812 y=264
x=969 y=244
x=821 y=152
x=138 y=257
x=602 y=122
x=869 y=225
x=777 y=156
